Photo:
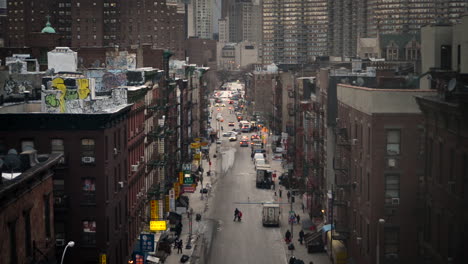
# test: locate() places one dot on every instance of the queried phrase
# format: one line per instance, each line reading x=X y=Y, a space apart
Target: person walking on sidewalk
x=280 y=193
x=179 y=246
x=287 y=236
x=301 y=236
x=289 y=195
x=298 y=218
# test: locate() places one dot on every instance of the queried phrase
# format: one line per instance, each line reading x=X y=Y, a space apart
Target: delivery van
x=271 y=214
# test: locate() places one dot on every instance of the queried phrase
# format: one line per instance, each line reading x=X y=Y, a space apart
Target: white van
x=271 y=214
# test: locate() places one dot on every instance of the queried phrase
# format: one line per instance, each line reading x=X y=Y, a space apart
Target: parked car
x=232 y=138
x=231 y=124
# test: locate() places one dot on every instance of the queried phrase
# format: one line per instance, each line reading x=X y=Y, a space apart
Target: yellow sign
x=204 y=144
x=154 y=209
x=158 y=225
x=195 y=145
x=103 y=259
x=166 y=204
x=197 y=156
x=176 y=189
x=181 y=178
x=197 y=139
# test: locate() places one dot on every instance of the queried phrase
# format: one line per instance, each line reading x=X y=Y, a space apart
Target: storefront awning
x=327 y=228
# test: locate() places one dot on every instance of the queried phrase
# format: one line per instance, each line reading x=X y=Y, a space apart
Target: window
x=391 y=241
x=393 y=142
x=57 y=147
x=47 y=215
x=89 y=232
x=13 y=249
x=446 y=57
x=27 y=233
x=89 y=191
x=27 y=145
x=392 y=187
x=87 y=149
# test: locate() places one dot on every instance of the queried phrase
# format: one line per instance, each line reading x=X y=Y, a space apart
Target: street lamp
x=70 y=244
x=379 y=224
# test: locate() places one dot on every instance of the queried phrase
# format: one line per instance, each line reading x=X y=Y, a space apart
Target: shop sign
x=189 y=189
x=176 y=190
x=195 y=145
x=147 y=242
x=181 y=177
x=103 y=259
x=158 y=225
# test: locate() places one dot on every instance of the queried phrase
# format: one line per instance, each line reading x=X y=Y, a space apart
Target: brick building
x=26 y=207
x=379 y=162
x=90 y=203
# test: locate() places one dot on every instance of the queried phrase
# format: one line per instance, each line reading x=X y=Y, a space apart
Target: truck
x=271 y=214
x=264 y=176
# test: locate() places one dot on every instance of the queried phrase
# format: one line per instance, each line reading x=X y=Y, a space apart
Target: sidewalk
x=199 y=204
x=300 y=251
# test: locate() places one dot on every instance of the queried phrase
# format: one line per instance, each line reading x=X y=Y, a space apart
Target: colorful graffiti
x=70 y=89
x=122 y=61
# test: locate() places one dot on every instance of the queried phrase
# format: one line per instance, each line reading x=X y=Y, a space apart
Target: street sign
x=187 y=167
x=147 y=242
x=154 y=209
x=189 y=189
x=103 y=259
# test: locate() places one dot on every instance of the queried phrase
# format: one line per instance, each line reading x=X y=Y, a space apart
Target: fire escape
x=342 y=188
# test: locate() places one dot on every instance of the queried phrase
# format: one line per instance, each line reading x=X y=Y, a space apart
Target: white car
x=226 y=134
x=234 y=133
x=259 y=162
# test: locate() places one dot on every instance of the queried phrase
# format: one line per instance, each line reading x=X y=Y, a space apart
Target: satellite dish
x=452 y=84
x=360 y=81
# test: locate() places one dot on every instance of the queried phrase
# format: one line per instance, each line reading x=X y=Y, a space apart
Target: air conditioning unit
x=354 y=141
x=116 y=151
x=87 y=159
x=395 y=201
x=59 y=242
x=134 y=168
x=391 y=162
x=121 y=184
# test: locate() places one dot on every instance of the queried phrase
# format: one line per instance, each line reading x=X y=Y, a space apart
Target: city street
x=246 y=241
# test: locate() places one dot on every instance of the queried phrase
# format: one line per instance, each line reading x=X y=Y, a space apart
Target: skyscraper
x=203 y=18
x=244 y=21
x=350 y=19
x=294 y=32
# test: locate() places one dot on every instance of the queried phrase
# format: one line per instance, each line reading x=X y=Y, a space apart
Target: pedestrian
x=298 y=218
x=287 y=236
x=303 y=208
x=289 y=195
x=179 y=247
x=280 y=193
x=301 y=236
x=275 y=194
x=236 y=214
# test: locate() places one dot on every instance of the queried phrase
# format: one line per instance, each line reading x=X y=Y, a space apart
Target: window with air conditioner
x=393 y=142
x=57 y=146
x=87 y=150
x=392 y=189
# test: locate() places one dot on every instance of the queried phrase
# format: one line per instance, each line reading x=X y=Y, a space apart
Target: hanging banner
x=147 y=241
x=195 y=145
x=166 y=204
x=160 y=209
x=172 y=200
x=181 y=178
x=176 y=190
x=154 y=209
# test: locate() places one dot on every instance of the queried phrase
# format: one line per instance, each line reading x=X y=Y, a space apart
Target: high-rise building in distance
x=294 y=31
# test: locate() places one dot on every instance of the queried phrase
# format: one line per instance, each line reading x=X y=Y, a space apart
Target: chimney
x=28 y=159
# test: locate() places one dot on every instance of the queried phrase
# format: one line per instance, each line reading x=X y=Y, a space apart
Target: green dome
x=48 y=28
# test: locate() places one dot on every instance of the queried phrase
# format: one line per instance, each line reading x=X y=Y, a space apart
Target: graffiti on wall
x=69 y=89
x=107 y=80
x=17 y=87
x=113 y=80
x=122 y=61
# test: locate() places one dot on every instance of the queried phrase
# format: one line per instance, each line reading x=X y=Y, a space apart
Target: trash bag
x=198 y=217
x=291 y=246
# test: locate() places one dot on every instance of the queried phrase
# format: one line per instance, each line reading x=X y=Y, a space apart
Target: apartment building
x=294 y=32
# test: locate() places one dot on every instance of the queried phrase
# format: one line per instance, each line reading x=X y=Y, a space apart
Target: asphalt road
x=247 y=241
